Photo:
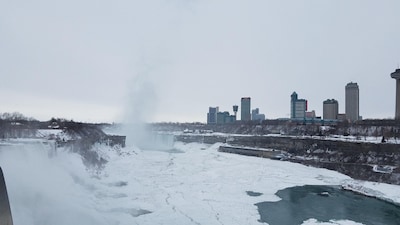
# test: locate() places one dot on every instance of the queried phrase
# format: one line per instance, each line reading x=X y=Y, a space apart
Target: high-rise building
x=212 y=115
x=245 y=109
x=396 y=75
x=255 y=114
x=221 y=117
x=298 y=107
x=330 y=109
x=352 y=102
x=225 y=117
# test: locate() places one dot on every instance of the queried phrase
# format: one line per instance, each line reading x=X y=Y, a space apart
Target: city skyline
x=299 y=108
x=170 y=60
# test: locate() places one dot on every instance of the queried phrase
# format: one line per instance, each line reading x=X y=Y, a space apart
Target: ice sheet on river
x=194 y=185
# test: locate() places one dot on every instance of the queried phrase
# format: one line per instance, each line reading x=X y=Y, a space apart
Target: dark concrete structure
x=5 y=211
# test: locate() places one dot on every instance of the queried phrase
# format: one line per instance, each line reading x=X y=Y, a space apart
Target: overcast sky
x=169 y=60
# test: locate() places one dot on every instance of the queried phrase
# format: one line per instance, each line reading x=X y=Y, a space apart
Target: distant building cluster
x=299 y=108
x=214 y=116
x=256 y=115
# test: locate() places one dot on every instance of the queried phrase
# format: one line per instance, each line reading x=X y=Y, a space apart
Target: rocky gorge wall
x=355 y=159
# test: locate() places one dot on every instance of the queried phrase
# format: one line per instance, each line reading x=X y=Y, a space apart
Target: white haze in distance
x=77 y=59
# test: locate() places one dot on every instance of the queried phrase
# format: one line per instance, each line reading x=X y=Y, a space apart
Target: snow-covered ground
x=195 y=184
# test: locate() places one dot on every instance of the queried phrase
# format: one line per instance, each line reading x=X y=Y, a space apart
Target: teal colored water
x=326 y=203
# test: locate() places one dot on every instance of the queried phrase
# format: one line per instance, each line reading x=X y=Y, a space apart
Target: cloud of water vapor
x=141 y=105
x=48 y=190
x=142 y=100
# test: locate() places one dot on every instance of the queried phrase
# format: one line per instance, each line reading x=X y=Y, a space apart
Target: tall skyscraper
x=396 y=75
x=212 y=115
x=352 y=102
x=245 y=109
x=298 y=107
x=330 y=109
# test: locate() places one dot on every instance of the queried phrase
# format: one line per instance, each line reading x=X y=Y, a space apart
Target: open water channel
x=326 y=203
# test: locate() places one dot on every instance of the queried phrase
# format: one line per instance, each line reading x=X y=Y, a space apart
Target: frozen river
x=193 y=184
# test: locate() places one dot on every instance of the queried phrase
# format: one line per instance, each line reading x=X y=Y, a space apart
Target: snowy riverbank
x=385 y=192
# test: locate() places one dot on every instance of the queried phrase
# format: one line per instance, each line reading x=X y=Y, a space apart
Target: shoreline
x=360 y=188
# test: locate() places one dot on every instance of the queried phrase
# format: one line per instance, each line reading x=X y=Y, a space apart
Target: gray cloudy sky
x=169 y=60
